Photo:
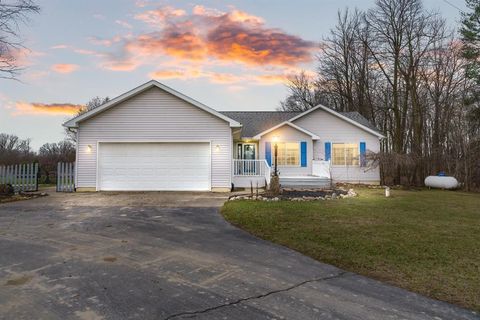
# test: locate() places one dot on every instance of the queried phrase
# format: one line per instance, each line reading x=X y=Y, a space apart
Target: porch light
x=217 y=148
x=275 y=139
x=89 y=148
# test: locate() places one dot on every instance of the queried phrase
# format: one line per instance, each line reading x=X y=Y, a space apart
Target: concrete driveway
x=172 y=256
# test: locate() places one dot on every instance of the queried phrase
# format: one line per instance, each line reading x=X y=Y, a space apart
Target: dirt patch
x=109 y=259
x=19 y=281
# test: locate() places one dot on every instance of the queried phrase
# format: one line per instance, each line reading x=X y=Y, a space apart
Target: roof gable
x=287 y=123
x=255 y=122
x=72 y=123
x=353 y=118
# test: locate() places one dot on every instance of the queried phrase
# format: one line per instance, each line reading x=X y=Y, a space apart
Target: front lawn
x=425 y=241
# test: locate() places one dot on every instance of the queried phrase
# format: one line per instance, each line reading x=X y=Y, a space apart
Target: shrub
x=6 y=189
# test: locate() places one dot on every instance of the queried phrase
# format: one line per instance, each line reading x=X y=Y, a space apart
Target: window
x=345 y=154
x=288 y=153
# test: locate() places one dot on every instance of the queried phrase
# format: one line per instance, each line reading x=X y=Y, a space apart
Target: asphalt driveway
x=172 y=256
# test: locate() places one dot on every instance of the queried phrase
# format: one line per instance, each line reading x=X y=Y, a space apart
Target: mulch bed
x=298 y=195
x=289 y=194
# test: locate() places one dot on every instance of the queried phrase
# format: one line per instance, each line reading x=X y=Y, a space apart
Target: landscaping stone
x=291 y=194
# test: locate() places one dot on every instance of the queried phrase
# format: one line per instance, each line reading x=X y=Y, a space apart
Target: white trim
x=230 y=142
x=210 y=167
x=97 y=170
x=97 y=186
x=288 y=123
x=73 y=123
x=335 y=113
x=76 y=159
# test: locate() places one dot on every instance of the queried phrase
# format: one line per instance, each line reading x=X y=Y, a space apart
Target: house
x=155 y=138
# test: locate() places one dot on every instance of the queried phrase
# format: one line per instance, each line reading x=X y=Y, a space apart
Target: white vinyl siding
x=335 y=130
x=288 y=134
x=155 y=116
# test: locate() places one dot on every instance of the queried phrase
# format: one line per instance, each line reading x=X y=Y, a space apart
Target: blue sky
x=85 y=48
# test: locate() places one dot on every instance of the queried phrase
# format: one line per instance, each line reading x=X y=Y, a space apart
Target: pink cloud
x=219 y=77
x=124 y=24
x=206 y=34
x=84 y=51
x=65 y=67
x=200 y=10
x=159 y=16
x=188 y=45
x=26 y=108
x=114 y=64
x=23 y=56
x=60 y=46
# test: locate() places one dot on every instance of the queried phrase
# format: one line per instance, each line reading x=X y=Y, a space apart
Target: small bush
x=6 y=189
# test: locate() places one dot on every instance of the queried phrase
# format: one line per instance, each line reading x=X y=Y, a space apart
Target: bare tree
x=92 y=104
x=470 y=32
x=304 y=93
x=403 y=69
x=14 y=150
x=12 y=14
x=50 y=154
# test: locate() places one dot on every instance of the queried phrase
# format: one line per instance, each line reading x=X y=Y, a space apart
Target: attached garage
x=154 y=166
x=153 y=138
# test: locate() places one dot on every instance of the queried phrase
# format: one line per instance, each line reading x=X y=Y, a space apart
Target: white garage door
x=154 y=166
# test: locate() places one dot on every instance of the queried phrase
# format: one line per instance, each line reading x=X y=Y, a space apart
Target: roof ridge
x=266 y=111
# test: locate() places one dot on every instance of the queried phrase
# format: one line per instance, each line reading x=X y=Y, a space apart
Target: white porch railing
x=248 y=167
x=321 y=168
x=252 y=168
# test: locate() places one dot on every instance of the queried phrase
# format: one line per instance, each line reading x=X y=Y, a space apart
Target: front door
x=249 y=151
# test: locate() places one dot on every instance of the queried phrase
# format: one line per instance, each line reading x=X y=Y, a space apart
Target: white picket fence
x=66 y=177
x=22 y=177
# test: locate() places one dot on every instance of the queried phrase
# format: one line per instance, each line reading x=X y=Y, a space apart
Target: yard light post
x=275 y=154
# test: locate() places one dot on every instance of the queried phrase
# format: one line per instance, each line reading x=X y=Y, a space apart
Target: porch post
x=275 y=148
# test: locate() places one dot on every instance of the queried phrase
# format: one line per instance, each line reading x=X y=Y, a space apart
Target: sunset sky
x=229 y=55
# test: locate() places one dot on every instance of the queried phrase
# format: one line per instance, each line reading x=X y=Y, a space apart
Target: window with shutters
x=288 y=153
x=345 y=154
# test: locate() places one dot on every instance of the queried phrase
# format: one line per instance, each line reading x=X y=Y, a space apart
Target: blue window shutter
x=303 y=153
x=328 y=151
x=268 y=153
x=363 y=154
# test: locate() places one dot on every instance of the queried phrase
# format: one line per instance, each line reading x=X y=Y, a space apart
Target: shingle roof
x=357 y=117
x=255 y=122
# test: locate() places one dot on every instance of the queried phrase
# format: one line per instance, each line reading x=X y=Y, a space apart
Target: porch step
x=305 y=182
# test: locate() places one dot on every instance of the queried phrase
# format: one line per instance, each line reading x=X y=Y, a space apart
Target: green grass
x=46 y=185
x=425 y=241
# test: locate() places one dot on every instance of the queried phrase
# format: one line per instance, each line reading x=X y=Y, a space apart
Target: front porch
x=247 y=173
x=288 y=146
